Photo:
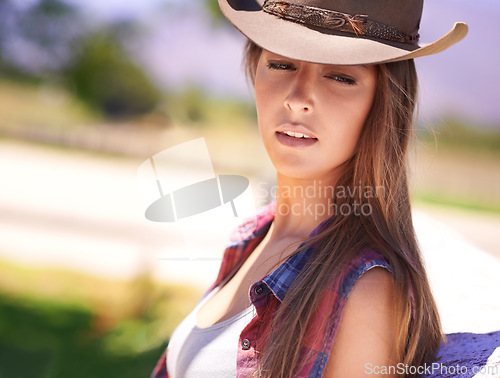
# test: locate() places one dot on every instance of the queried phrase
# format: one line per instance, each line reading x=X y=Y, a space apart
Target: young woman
x=328 y=280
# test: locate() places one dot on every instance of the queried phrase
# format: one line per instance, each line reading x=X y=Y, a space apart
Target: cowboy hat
x=343 y=32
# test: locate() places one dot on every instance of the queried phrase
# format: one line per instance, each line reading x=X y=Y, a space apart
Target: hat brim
x=300 y=42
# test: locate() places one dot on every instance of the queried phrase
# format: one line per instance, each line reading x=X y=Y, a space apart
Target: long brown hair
x=378 y=162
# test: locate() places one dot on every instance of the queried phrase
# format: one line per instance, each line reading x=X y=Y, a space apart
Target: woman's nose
x=300 y=96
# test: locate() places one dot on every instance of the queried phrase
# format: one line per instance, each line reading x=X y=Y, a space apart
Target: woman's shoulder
x=361 y=313
x=367 y=326
x=365 y=266
x=374 y=283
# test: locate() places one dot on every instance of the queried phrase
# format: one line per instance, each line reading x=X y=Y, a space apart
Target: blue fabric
x=465 y=354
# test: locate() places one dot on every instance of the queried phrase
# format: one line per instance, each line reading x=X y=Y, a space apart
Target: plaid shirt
x=267 y=294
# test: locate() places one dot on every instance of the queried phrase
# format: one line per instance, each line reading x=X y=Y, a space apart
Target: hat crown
x=403 y=15
x=345 y=32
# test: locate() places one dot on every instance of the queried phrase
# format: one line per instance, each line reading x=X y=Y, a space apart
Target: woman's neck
x=301 y=205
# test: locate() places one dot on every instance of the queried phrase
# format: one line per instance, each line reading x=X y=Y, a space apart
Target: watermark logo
x=490 y=370
x=195 y=198
x=319 y=200
x=179 y=187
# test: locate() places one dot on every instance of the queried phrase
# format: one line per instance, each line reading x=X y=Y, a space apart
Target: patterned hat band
x=360 y=25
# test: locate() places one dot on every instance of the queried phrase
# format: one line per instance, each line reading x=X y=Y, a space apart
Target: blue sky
x=181 y=47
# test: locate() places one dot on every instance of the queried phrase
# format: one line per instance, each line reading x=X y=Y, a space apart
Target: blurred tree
x=104 y=76
x=36 y=36
x=4 y=11
x=51 y=38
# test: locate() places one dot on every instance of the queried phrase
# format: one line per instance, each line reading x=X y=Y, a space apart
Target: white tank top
x=195 y=352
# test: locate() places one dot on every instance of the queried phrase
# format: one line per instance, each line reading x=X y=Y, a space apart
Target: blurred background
x=91 y=89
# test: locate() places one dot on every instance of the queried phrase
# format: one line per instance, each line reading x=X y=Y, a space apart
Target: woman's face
x=311 y=115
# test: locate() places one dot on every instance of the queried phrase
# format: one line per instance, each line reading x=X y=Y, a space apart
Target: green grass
x=47 y=339
x=457 y=134
x=60 y=324
x=463 y=203
x=455 y=175
x=41 y=106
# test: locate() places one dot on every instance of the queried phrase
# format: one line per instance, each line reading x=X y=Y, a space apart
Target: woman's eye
x=280 y=66
x=342 y=79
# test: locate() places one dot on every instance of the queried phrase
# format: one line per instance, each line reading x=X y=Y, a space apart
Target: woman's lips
x=295 y=128
x=293 y=141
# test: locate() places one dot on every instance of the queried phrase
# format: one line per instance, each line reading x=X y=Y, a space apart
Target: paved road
x=85 y=212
